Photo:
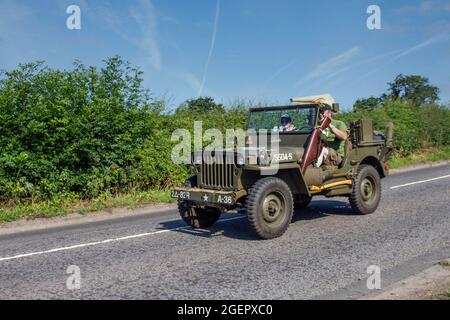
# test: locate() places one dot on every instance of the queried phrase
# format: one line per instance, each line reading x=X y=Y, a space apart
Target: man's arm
x=340 y=134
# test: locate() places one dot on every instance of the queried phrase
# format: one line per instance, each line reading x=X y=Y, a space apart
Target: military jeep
x=270 y=181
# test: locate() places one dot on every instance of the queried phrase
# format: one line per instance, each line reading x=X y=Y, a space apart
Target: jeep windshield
x=283 y=120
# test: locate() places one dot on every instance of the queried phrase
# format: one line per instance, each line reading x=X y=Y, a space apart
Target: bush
x=72 y=131
x=435 y=123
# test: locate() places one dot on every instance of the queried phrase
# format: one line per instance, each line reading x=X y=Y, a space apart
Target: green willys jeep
x=270 y=180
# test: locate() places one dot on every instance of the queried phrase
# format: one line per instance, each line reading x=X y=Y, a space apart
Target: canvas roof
x=319 y=99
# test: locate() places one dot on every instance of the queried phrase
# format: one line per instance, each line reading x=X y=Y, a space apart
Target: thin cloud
x=398 y=54
x=169 y=19
x=113 y=22
x=360 y=63
x=282 y=69
x=335 y=73
x=276 y=74
x=346 y=68
x=190 y=79
x=421 y=45
x=424 y=7
x=332 y=65
x=407 y=51
x=328 y=76
x=145 y=17
x=211 y=48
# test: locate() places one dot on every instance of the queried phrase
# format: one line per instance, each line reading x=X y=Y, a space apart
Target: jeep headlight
x=263 y=158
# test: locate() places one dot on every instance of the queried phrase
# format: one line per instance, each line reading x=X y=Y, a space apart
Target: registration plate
x=183 y=195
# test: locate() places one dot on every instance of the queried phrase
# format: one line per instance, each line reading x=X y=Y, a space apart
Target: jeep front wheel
x=270 y=207
x=366 y=193
x=198 y=217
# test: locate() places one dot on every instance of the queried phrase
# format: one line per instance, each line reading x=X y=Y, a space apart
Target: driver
x=286 y=123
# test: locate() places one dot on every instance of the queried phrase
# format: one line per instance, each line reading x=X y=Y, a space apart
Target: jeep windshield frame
x=257 y=119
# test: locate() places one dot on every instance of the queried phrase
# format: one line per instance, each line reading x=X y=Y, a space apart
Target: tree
x=415 y=89
x=201 y=105
x=366 y=104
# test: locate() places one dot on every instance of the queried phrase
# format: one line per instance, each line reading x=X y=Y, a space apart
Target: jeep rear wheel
x=270 y=207
x=198 y=217
x=366 y=193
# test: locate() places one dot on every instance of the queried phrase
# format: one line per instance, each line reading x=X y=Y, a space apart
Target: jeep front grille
x=218 y=174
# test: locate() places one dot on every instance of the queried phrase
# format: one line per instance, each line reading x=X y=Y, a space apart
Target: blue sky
x=255 y=49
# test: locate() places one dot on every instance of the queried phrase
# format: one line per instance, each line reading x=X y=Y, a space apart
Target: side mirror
x=335 y=107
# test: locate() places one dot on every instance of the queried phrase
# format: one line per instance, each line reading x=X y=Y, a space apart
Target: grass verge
x=421 y=157
x=446 y=294
x=72 y=204
x=439 y=296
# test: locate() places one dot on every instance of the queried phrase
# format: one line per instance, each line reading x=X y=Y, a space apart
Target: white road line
x=418 y=182
x=90 y=244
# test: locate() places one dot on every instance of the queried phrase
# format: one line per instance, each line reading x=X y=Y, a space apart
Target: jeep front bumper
x=206 y=197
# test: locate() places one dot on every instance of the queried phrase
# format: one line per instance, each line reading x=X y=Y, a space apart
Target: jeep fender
x=377 y=164
x=294 y=178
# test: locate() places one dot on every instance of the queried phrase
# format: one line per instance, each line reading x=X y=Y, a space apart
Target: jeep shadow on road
x=231 y=225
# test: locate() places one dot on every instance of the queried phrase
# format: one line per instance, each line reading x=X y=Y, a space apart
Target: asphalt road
x=324 y=254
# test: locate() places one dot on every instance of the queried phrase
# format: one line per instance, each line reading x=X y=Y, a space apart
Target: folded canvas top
x=319 y=99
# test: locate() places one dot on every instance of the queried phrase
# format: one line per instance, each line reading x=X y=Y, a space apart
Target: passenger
x=286 y=123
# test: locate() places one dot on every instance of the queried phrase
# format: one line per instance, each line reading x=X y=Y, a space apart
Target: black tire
x=366 y=193
x=303 y=202
x=198 y=217
x=270 y=207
